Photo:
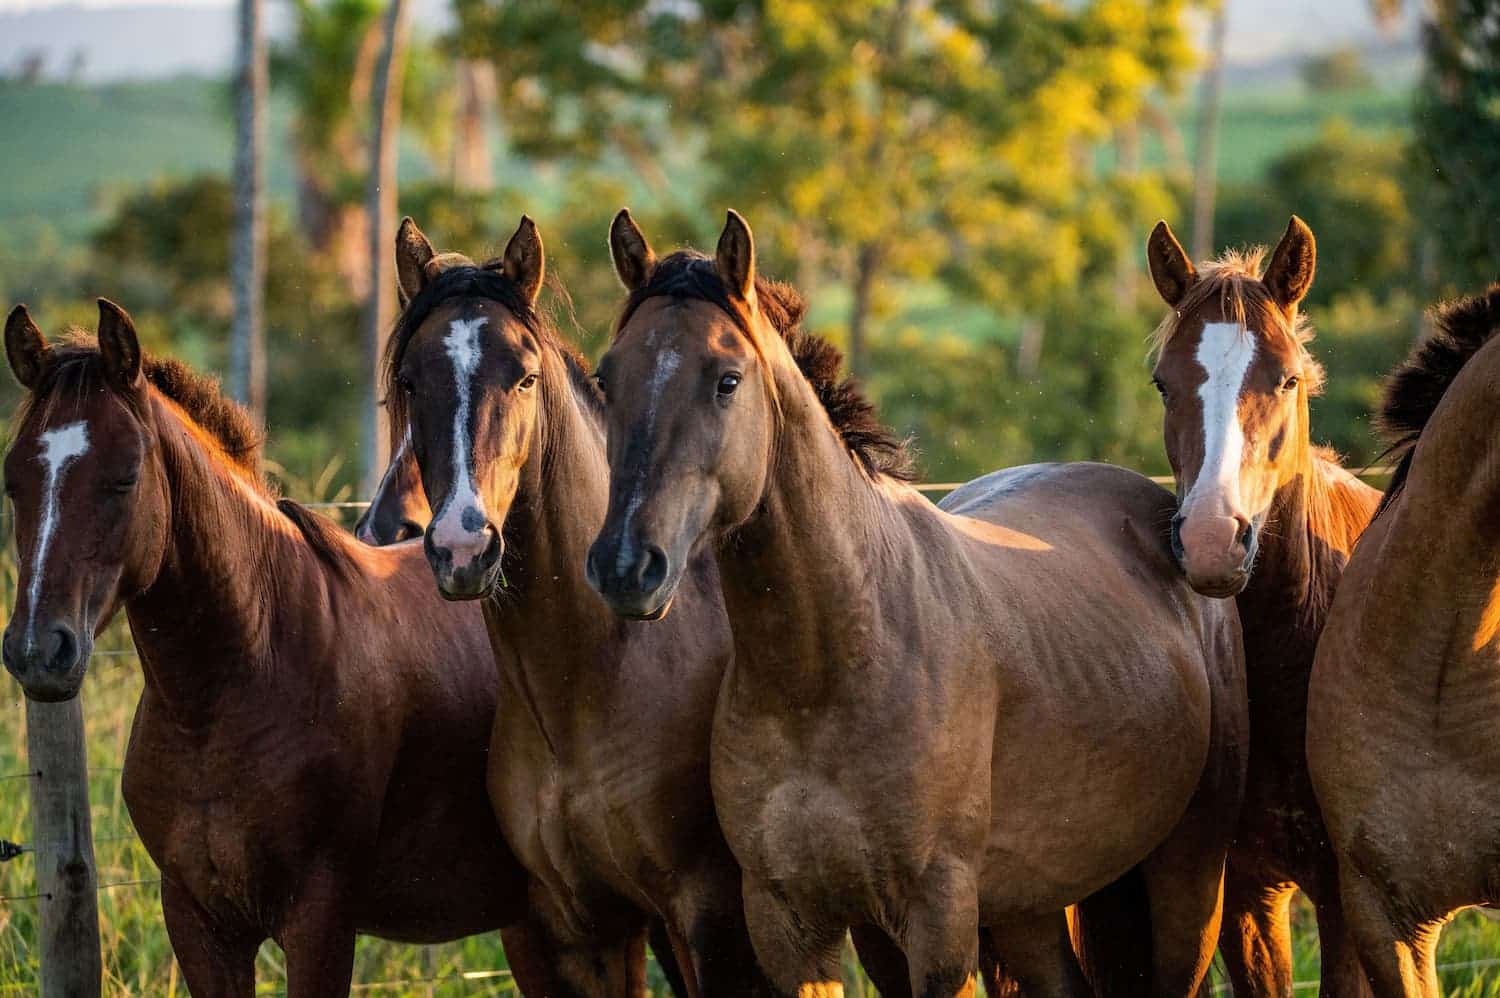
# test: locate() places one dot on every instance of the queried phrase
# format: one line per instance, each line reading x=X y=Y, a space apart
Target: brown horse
x=600 y=748
x=1406 y=688
x=1235 y=377
x=308 y=754
x=936 y=722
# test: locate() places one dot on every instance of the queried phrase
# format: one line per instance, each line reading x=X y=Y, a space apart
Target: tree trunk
x=1205 y=173
x=473 y=166
x=866 y=263
x=381 y=206
x=248 y=251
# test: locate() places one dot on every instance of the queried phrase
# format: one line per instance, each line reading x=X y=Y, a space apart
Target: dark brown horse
x=936 y=722
x=308 y=755
x=1406 y=687
x=398 y=510
x=1235 y=376
x=599 y=764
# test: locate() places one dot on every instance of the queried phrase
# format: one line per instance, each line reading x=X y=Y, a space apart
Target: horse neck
x=210 y=608
x=1316 y=515
x=558 y=507
x=799 y=575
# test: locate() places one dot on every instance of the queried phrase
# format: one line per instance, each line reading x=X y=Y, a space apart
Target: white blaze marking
x=462 y=342
x=1225 y=353
x=667 y=363
x=59 y=448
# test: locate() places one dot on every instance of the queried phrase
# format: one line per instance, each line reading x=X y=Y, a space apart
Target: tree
x=248 y=263
x=381 y=209
x=1458 y=141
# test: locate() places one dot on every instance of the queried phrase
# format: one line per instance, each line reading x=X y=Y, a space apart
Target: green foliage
x=1458 y=142
x=1341 y=69
x=164 y=256
x=1348 y=185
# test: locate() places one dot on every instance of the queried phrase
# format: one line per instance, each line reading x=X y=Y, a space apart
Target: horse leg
x=318 y=939
x=1397 y=961
x=1033 y=957
x=1256 y=936
x=526 y=956
x=664 y=946
x=801 y=955
x=1342 y=976
x=216 y=962
x=883 y=961
x=940 y=934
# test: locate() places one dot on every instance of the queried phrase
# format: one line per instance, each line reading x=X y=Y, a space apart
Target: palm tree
x=381 y=207
x=248 y=251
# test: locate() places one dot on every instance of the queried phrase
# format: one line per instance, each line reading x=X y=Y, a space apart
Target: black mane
x=1417 y=385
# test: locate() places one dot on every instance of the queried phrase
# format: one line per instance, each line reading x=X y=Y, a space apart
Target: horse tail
x=1414 y=389
x=1111 y=931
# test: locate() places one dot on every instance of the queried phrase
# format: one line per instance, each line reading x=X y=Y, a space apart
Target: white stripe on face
x=666 y=365
x=462 y=341
x=59 y=447
x=1225 y=353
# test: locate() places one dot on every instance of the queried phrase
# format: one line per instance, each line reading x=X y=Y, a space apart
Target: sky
x=132 y=38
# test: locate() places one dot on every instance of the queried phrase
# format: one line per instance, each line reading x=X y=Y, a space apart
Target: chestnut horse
x=1406 y=687
x=599 y=761
x=308 y=754
x=1269 y=519
x=936 y=722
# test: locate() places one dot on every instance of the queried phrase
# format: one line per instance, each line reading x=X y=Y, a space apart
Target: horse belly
x=1081 y=795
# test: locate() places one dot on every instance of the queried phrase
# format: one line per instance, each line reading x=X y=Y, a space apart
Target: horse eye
x=728 y=383
x=124 y=485
x=1161 y=389
x=1290 y=383
x=527 y=383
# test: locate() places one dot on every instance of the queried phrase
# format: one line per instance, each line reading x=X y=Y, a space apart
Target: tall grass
x=138 y=958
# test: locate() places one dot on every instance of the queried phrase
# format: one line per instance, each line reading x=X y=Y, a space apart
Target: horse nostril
x=1178 y=551
x=1247 y=536
x=62 y=649
x=651 y=571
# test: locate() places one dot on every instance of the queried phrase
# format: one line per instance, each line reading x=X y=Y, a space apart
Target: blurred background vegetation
x=961 y=188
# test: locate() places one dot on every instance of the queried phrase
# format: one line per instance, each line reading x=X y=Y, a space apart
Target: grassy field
x=137 y=956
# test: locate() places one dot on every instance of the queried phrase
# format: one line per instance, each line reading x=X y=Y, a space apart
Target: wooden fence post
x=62 y=833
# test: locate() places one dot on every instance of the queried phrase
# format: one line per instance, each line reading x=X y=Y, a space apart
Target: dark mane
x=481 y=282
x=1414 y=389
x=692 y=275
x=74 y=367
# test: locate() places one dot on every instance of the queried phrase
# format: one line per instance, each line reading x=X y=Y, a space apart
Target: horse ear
x=735 y=257
x=119 y=347
x=25 y=347
x=1293 y=263
x=413 y=254
x=632 y=255
x=524 y=261
x=1171 y=269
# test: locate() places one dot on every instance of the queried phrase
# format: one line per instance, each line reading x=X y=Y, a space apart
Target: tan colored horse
x=599 y=768
x=1405 y=691
x=936 y=722
x=1235 y=377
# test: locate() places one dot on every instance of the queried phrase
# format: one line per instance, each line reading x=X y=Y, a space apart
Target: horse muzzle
x=48 y=660
x=635 y=581
x=1216 y=553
